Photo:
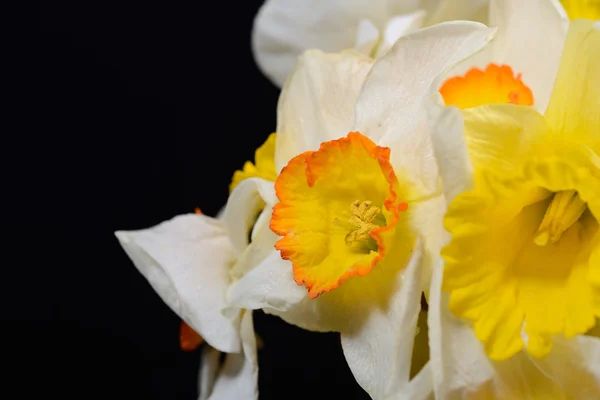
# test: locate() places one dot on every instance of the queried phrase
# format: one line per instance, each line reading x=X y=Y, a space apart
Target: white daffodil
x=192 y=259
x=515 y=302
x=359 y=212
x=520 y=65
x=283 y=29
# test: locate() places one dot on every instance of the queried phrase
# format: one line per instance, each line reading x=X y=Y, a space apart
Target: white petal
x=446 y=127
x=269 y=285
x=379 y=349
x=574 y=364
x=186 y=260
x=259 y=249
x=238 y=376
x=390 y=107
x=420 y=387
x=284 y=29
x=530 y=39
x=450 y=340
x=367 y=37
x=317 y=101
x=243 y=205
x=209 y=368
x=398 y=26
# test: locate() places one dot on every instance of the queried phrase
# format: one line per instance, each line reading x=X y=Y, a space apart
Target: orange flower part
x=198 y=211
x=337 y=213
x=494 y=85
x=189 y=340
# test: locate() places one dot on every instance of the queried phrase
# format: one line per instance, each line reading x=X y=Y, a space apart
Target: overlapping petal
x=186 y=260
x=530 y=39
x=317 y=102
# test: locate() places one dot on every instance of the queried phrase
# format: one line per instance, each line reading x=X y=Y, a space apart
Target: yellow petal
x=498 y=136
x=586 y=9
x=573 y=109
x=264 y=157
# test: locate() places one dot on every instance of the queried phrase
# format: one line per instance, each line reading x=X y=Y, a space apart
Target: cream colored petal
x=450 y=147
x=238 y=377
x=530 y=39
x=261 y=246
x=367 y=37
x=451 y=340
x=379 y=348
x=187 y=261
x=209 y=368
x=284 y=29
x=317 y=101
x=268 y=285
x=574 y=364
x=398 y=26
x=390 y=107
x=243 y=206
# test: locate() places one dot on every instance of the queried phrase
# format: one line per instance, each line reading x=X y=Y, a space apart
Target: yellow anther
x=362 y=221
x=564 y=210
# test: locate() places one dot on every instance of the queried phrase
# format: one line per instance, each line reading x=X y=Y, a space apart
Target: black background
x=129 y=114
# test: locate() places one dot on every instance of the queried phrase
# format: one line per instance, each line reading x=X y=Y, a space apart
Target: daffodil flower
x=191 y=260
x=515 y=301
x=359 y=203
x=520 y=64
x=284 y=29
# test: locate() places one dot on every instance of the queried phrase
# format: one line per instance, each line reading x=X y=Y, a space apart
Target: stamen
x=564 y=210
x=362 y=221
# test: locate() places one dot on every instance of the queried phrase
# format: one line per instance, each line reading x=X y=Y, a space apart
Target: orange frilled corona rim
x=307 y=188
x=189 y=339
x=496 y=84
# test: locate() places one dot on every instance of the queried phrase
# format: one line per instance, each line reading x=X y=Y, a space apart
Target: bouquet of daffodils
x=432 y=193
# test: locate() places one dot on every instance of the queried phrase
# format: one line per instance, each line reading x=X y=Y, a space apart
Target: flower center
x=329 y=230
x=564 y=210
x=364 y=218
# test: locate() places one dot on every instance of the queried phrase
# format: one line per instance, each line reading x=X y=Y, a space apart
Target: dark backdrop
x=131 y=113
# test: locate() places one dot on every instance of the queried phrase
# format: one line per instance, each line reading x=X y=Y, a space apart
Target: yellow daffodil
x=191 y=260
x=517 y=297
x=283 y=29
x=359 y=203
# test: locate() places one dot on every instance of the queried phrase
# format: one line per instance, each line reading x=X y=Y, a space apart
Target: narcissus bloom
x=521 y=273
x=283 y=29
x=360 y=204
x=520 y=64
x=192 y=259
